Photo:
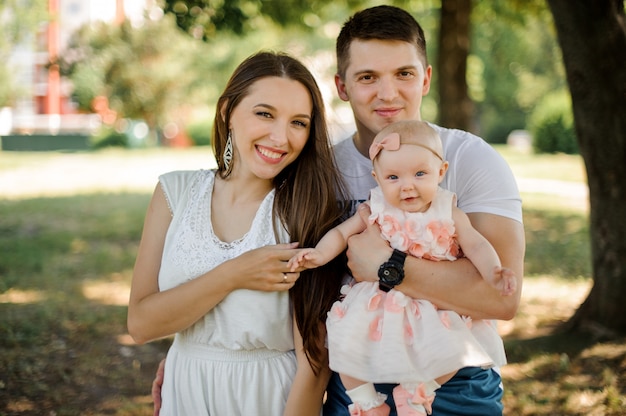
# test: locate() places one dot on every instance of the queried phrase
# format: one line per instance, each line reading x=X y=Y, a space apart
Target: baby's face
x=409 y=177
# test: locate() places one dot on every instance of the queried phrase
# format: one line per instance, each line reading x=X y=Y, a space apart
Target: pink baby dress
x=391 y=338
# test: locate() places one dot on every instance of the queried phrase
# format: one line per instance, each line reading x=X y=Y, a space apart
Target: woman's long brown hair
x=307 y=197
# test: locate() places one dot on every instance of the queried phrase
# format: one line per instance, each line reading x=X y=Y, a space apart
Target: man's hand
x=156 y=387
x=367 y=250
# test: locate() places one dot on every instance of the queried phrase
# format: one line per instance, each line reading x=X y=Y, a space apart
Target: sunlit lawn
x=66 y=258
x=562 y=167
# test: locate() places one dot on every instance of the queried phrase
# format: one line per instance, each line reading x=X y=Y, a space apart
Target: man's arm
x=454 y=285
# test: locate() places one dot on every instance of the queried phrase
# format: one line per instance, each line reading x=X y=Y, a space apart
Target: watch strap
x=398 y=256
x=384 y=287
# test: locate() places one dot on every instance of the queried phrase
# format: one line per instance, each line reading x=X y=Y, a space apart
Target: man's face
x=384 y=82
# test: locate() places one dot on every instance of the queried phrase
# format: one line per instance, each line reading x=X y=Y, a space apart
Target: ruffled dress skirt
x=391 y=338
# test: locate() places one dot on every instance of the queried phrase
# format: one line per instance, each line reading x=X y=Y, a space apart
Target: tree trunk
x=592 y=35
x=455 y=106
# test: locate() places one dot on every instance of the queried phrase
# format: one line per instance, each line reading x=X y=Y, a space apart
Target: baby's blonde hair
x=413 y=132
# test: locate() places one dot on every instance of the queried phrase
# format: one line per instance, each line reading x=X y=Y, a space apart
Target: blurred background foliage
x=172 y=68
x=18 y=20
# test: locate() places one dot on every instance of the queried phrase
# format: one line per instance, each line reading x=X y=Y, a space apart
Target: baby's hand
x=306 y=258
x=504 y=280
x=298 y=260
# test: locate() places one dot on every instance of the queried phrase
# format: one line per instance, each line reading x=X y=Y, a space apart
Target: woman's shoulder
x=177 y=183
x=184 y=177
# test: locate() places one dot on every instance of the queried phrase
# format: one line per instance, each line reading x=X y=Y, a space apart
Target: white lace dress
x=238 y=359
x=391 y=338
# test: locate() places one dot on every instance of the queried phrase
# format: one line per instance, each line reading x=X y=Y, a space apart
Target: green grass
x=570 y=168
x=59 y=340
x=557 y=244
x=66 y=264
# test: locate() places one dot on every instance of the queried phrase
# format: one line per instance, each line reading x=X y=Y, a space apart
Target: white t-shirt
x=480 y=177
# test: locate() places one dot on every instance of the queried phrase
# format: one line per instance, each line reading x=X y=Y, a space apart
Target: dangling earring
x=228 y=153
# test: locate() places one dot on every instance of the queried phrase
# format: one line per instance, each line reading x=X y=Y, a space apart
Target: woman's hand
x=265 y=268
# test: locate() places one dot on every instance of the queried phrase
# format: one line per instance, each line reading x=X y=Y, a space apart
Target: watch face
x=391 y=274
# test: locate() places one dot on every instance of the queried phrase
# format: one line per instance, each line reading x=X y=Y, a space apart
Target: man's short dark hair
x=382 y=23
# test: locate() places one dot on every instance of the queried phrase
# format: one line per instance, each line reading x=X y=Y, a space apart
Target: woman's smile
x=270 y=155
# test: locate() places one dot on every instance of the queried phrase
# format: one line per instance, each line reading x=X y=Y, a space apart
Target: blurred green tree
x=514 y=62
x=141 y=79
x=203 y=19
x=503 y=76
x=159 y=74
x=18 y=22
x=480 y=50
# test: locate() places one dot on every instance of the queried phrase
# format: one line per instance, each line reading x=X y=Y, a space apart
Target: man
x=383 y=72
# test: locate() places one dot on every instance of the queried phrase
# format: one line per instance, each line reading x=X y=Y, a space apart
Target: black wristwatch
x=391 y=272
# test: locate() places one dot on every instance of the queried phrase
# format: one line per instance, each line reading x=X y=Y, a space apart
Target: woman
x=212 y=262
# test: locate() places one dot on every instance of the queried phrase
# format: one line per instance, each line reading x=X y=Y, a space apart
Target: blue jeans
x=471 y=392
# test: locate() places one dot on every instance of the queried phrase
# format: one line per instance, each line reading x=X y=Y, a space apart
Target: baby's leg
x=444 y=379
x=366 y=401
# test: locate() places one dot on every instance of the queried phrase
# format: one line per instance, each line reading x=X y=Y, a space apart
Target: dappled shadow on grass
x=565 y=374
x=65 y=270
x=557 y=342
x=552 y=371
x=560 y=372
x=73 y=358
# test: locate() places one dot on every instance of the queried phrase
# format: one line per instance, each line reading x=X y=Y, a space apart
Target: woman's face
x=270 y=126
